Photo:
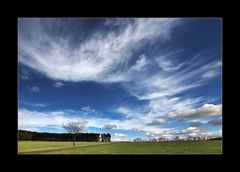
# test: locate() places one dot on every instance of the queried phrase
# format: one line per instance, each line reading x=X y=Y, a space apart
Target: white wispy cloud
x=214 y=69
x=147 y=87
x=34 y=120
x=140 y=63
x=148 y=118
x=173 y=104
x=119 y=137
x=58 y=84
x=216 y=122
x=210 y=74
x=42 y=105
x=25 y=75
x=138 y=129
x=158 y=121
x=164 y=133
x=96 y=59
x=35 y=89
x=217 y=64
x=189 y=131
x=168 y=65
x=87 y=110
x=130 y=113
x=104 y=58
x=204 y=111
x=202 y=132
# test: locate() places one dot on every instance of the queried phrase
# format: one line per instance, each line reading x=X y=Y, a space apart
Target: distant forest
x=24 y=135
x=218 y=138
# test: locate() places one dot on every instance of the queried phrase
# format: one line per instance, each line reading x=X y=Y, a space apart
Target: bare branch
x=75 y=127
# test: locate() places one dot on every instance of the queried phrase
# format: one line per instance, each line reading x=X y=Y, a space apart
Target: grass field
x=190 y=147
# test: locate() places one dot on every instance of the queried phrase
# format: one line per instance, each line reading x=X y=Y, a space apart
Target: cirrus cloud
x=158 y=79
x=96 y=59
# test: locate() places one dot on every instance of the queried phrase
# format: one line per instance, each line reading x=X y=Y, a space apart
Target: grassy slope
x=206 y=147
x=25 y=146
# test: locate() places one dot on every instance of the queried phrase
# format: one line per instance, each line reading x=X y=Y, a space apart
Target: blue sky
x=136 y=77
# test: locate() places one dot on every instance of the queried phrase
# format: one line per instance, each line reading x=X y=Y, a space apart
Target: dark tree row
x=105 y=137
x=35 y=136
x=218 y=138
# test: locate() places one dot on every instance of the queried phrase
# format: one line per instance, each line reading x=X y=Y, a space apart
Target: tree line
x=24 y=135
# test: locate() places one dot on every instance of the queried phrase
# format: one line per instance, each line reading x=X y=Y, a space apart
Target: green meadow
x=174 y=147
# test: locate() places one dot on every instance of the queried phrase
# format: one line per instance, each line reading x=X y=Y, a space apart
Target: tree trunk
x=74 y=140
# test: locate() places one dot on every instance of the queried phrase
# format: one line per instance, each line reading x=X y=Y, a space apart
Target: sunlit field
x=177 y=147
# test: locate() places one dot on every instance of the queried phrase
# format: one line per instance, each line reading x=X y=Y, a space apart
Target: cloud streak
x=109 y=126
x=58 y=84
x=215 y=122
x=96 y=59
x=41 y=105
x=204 y=111
x=214 y=70
x=35 y=89
x=87 y=110
x=158 y=121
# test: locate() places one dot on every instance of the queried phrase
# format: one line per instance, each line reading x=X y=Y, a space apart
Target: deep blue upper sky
x=132 y=78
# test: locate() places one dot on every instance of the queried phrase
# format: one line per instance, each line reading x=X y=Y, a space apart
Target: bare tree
x=74 y=128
